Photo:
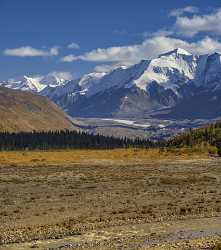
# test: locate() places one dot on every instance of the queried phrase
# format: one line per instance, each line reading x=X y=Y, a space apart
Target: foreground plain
x=117 y=199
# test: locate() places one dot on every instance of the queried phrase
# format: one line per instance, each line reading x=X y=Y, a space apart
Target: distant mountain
x=174 y=85
x=23 y=111
x=34 y=84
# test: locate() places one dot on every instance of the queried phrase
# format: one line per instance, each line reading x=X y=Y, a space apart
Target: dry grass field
x=88 y=156
x=116 y=199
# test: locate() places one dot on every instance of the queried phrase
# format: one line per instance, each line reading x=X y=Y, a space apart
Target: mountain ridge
x=163 y=83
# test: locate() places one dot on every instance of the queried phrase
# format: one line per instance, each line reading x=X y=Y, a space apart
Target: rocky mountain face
x=175 y=85
x=24 y=111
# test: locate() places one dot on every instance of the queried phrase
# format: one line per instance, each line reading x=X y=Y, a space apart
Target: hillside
x=207 y=136
x=24 y=111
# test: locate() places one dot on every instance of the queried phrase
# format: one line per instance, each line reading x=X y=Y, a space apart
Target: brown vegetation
x=63 y=193
x=101 y=157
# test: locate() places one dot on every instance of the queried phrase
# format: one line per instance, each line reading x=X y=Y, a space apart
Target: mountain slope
x=176 y=84
x=169 y=84
x=207 y=137
x=23 y=111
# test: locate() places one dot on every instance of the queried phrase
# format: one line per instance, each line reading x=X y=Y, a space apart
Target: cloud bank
x=66 y=75
x=150 y=48
x=191 y=26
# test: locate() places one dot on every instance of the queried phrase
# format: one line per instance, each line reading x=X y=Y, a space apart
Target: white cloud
x=101 y=68
x=161 y=32
x=206 y=45
x=29 y=51
x=112 y=54
x=73 y=46
x=104 y=68
x=62 y=75
x=54 y=51
x=150 y=48
x=161 y=41
x=190 y=26
x=181 y=11
x=69 y=58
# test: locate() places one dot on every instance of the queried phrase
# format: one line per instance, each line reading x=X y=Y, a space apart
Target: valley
x=157 y=98
x=149 y=128
x=110 y=125
x=109 y=199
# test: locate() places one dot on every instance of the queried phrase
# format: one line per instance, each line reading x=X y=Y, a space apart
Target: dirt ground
x=118 y=199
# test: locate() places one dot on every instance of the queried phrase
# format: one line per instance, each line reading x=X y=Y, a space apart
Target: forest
x=66 y=140
x=208 y=136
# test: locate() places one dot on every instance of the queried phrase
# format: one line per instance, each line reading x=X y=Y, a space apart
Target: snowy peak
x=170 y=71
x=93 y=83
x=176 y=52
x=182 y=52
x=34 y=84
x=25 y=83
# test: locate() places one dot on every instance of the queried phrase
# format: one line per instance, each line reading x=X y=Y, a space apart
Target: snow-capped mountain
x=169 y=70
x=53 y=80
x=24 y=83
x=168 y=86
x=149 y=87
x=34 y=84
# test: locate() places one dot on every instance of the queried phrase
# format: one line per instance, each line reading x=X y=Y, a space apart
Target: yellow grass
x=119 y=156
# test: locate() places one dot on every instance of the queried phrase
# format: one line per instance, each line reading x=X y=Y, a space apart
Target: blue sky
x=79 y=36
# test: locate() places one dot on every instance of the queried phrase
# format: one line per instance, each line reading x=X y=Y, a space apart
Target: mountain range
x=177 y=85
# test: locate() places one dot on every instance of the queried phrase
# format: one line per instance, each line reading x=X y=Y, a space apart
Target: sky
x=73 y=37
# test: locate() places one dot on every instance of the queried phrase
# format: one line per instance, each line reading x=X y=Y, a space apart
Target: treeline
x=66 y=140
x=206 y=136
